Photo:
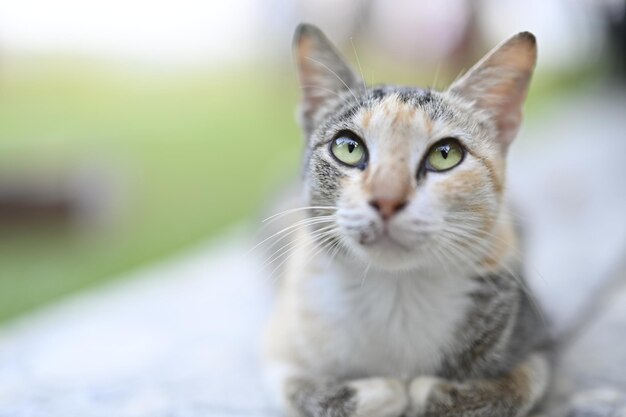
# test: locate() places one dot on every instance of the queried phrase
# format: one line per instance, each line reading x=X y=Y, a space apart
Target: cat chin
x=391 y=256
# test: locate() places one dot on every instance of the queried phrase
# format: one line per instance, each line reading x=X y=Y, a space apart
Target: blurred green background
x=195 y=152
x=107 y=163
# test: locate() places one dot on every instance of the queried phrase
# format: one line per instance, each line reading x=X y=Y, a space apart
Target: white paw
x=419 y=391
x=379 y=397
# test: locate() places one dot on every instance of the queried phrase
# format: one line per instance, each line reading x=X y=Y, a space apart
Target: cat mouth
x=384 y=239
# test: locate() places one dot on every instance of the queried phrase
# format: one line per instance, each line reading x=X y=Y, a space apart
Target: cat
x=404 y=294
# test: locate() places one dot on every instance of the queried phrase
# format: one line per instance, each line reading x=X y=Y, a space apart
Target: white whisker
x=297 y=225
x=335 y=74
x=316 y=244
x=277 y=253
x=517 y=253
x=315 y=87
x=359 y=64
x=480 y=249
x=293 y=210
x=367 y=268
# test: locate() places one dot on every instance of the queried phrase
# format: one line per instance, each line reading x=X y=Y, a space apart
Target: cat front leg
x=512 y=395
x=303 y=396
x=369 y=397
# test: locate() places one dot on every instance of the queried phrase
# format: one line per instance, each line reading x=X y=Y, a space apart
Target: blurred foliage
x=195 y=151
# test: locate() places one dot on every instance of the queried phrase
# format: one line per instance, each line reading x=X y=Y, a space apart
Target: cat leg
x=370 y=397
x=303 y=396
x=512 y=395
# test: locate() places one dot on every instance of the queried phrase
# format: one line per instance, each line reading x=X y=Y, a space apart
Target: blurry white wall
x=195 y=31
x=164 y=31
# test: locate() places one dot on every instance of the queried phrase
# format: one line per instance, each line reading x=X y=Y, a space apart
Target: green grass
x=192 y=152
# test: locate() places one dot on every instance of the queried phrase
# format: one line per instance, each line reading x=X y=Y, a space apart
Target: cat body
x=403 y=294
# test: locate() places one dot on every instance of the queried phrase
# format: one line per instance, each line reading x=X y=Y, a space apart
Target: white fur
x=380 y=323
x=419 y=391
x=379 y=397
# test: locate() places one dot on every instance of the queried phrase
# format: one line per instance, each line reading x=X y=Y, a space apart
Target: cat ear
x=323 y=74
x=498 y=83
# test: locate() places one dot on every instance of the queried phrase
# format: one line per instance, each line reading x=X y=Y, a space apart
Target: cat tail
x=589 y=370
x=611 y=286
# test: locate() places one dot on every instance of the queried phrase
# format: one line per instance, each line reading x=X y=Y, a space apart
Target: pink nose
x=387 y=207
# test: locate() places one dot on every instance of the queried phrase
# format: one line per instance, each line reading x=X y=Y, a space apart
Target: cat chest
x=399 y=330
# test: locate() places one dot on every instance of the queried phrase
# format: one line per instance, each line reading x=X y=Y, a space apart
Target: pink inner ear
x=311 y=103
x=508 y=127
x=507 y=108
x=323 y=73
x=500 y=94
x=499 y=82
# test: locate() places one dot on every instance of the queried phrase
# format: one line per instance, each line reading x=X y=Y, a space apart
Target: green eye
x=446 y=154
x=348 y=150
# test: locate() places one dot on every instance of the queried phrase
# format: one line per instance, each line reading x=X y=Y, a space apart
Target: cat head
x=411 y=176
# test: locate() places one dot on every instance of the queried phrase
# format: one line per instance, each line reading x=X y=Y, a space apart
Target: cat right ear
x=498 y=84
x=322 y=72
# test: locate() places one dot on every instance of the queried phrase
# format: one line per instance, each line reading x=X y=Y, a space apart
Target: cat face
x=416 y=177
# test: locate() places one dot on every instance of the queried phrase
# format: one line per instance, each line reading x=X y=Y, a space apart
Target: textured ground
x=181 y=338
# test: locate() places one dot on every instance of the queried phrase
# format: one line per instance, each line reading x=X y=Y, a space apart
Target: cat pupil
x=444 y=152
x=351 y=147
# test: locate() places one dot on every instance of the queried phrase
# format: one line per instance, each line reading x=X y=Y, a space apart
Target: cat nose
x=387 y=207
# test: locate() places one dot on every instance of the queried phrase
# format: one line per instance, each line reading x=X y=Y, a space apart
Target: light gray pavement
x=177 y=339
x=180 y=338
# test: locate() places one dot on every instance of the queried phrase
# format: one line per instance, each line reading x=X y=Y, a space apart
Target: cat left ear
x=322 y=72
x=498 y=83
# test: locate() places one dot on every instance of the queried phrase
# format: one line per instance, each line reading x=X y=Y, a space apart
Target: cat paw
x=379 y=397
x=420 y=390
